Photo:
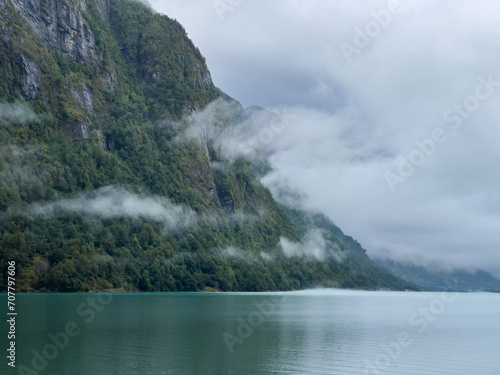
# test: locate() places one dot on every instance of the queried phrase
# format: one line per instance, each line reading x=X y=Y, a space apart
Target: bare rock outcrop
x=59 y=24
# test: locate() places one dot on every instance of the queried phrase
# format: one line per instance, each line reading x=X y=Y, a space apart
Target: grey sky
x=361 y=105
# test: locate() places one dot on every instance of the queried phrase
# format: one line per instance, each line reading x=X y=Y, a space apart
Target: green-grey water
x=311 y=332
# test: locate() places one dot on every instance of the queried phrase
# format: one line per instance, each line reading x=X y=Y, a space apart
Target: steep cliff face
x=112 y=175
x=59 y=24
x=32 y=81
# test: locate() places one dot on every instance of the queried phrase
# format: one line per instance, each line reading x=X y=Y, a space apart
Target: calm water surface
x=312 y=332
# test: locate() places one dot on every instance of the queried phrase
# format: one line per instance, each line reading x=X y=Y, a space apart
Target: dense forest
x=101 y=189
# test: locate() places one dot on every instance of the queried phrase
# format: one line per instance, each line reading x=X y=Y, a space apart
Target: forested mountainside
x=103 y=185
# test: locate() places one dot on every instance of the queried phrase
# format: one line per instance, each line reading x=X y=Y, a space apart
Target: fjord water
x=310 y=332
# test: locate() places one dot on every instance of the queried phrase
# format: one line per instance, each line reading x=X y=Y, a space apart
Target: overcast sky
x=395 y=131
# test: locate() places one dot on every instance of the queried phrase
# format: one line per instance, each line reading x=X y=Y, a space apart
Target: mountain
x=115 y=172
x=432 y=278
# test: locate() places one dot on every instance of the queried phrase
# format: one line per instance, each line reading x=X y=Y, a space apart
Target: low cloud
x=313 y=246
x=446 y=214
x=113 y=201
x=236 y=132
x=266 y=256
x=235 y=253
x=19 y=113
x=337 y=162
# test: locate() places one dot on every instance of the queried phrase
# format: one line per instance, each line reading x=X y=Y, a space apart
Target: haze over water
x=311 y=332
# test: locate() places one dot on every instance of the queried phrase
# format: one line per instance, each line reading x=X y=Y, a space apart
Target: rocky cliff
x=59 y=24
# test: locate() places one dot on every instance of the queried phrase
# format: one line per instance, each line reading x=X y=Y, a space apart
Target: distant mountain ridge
x=428 y=279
